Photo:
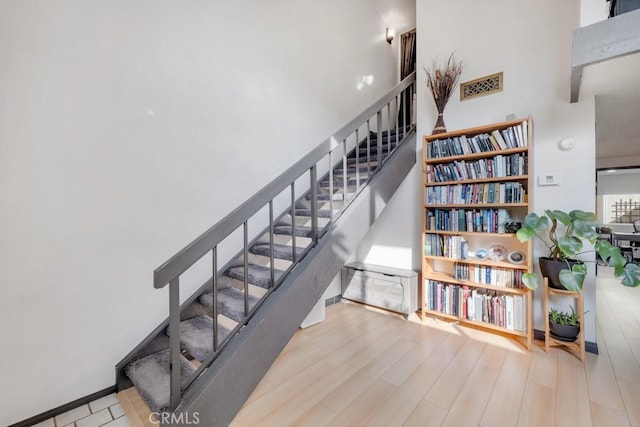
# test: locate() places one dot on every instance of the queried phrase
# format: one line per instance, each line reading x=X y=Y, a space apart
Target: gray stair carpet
x=351 y=169
x=258 y=275
x=338 y=182
x=230 y=302
x=374 y=149
x=325 y=197
x=196 y=336
x=351 y=173
x=353 y=161
x=279 y=251
x=150 y=375
x=323 y=213
x=301 y=230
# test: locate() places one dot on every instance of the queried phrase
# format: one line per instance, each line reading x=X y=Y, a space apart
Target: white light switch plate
x=550 y=179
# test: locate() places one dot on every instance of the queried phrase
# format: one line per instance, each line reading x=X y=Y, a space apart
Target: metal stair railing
x=398 y=104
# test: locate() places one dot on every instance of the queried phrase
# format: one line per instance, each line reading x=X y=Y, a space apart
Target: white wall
x=531 y=43
x=592 y=11
x=127 y=129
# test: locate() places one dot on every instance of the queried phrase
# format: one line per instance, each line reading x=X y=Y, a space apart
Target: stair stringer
x=219 y=393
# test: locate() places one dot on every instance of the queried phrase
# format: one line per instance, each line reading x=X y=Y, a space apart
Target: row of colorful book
x=495 y=167
x=480 y=305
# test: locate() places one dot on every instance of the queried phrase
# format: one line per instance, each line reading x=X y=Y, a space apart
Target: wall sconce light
x=389 y=35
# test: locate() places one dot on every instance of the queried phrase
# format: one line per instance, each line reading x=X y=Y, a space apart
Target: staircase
x=286 y=243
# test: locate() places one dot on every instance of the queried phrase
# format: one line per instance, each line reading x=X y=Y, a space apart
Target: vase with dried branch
x=442 y=80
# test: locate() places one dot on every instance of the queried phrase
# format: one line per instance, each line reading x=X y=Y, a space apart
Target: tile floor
x=105 y=411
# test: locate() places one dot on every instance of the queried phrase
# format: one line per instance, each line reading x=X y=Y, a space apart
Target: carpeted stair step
x=351 y=168
x=338 y=174
x=150 y=375
x=339 y=183
x=279 y=251
x=230 y=302
x=322 y=213
x=373 y=150
x=196 y=336
x=258 y=275
x=301 y=230
x=362 y=161
x=323 y=197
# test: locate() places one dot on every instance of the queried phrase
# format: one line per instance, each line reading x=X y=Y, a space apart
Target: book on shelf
x=501 y=139
x=483 y=193
x=488 y=275
x=466 y=220
x=480 y=305
x=454 y=247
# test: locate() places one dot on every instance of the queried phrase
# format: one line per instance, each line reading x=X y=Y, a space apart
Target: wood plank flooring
x=365 y=367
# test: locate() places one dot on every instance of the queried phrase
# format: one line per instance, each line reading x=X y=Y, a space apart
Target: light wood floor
x=366 y=367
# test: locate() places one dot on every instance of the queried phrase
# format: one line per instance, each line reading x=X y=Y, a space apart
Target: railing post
x=293 y=221
x=357 y=161
x=369 y=146
x=271 y=233
x=379 y=130
x=174 y=344
x=388 y=128
x=313 y=178
x=395 y=117
x=344 y=170
x=214 y=285
x=245 y=227
x=331 y=182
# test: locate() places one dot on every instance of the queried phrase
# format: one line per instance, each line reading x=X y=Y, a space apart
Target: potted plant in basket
x=564 y=326
x=564 y=235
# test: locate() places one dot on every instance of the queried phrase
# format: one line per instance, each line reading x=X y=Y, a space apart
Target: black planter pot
x=551 y=268
x=566 y=333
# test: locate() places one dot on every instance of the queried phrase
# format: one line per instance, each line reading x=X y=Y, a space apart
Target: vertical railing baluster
x=379 y=130
x=245 y=227
x=344 y=170
x=357 y=161
x=293 y=220
x=271 y=245
x=388 y=128
x=174 y=344
x=403 y=100
x=314 y=204
x=214 y=285
x=331 y=182
x=411 y=103
x=395 y=117
x=369 y=146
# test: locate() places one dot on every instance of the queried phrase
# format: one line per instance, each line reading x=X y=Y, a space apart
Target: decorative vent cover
x=481 y=87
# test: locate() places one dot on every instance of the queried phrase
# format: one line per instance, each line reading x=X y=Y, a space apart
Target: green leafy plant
x=564 y=235
x=564 y=318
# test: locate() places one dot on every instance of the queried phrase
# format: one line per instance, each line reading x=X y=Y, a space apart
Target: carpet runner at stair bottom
x=150 y=375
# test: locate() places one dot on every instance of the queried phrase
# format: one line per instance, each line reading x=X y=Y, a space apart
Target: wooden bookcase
x=475 y=181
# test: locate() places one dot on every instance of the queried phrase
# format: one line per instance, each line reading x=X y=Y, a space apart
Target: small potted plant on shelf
x=564 y=326
x=564 y=235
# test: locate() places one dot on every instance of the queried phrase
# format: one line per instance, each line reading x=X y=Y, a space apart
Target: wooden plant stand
x=576 y=347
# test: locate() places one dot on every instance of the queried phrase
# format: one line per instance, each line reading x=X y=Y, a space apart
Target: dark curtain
x=407 y=66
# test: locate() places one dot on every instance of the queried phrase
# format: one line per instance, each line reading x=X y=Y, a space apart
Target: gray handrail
x=204 y=243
